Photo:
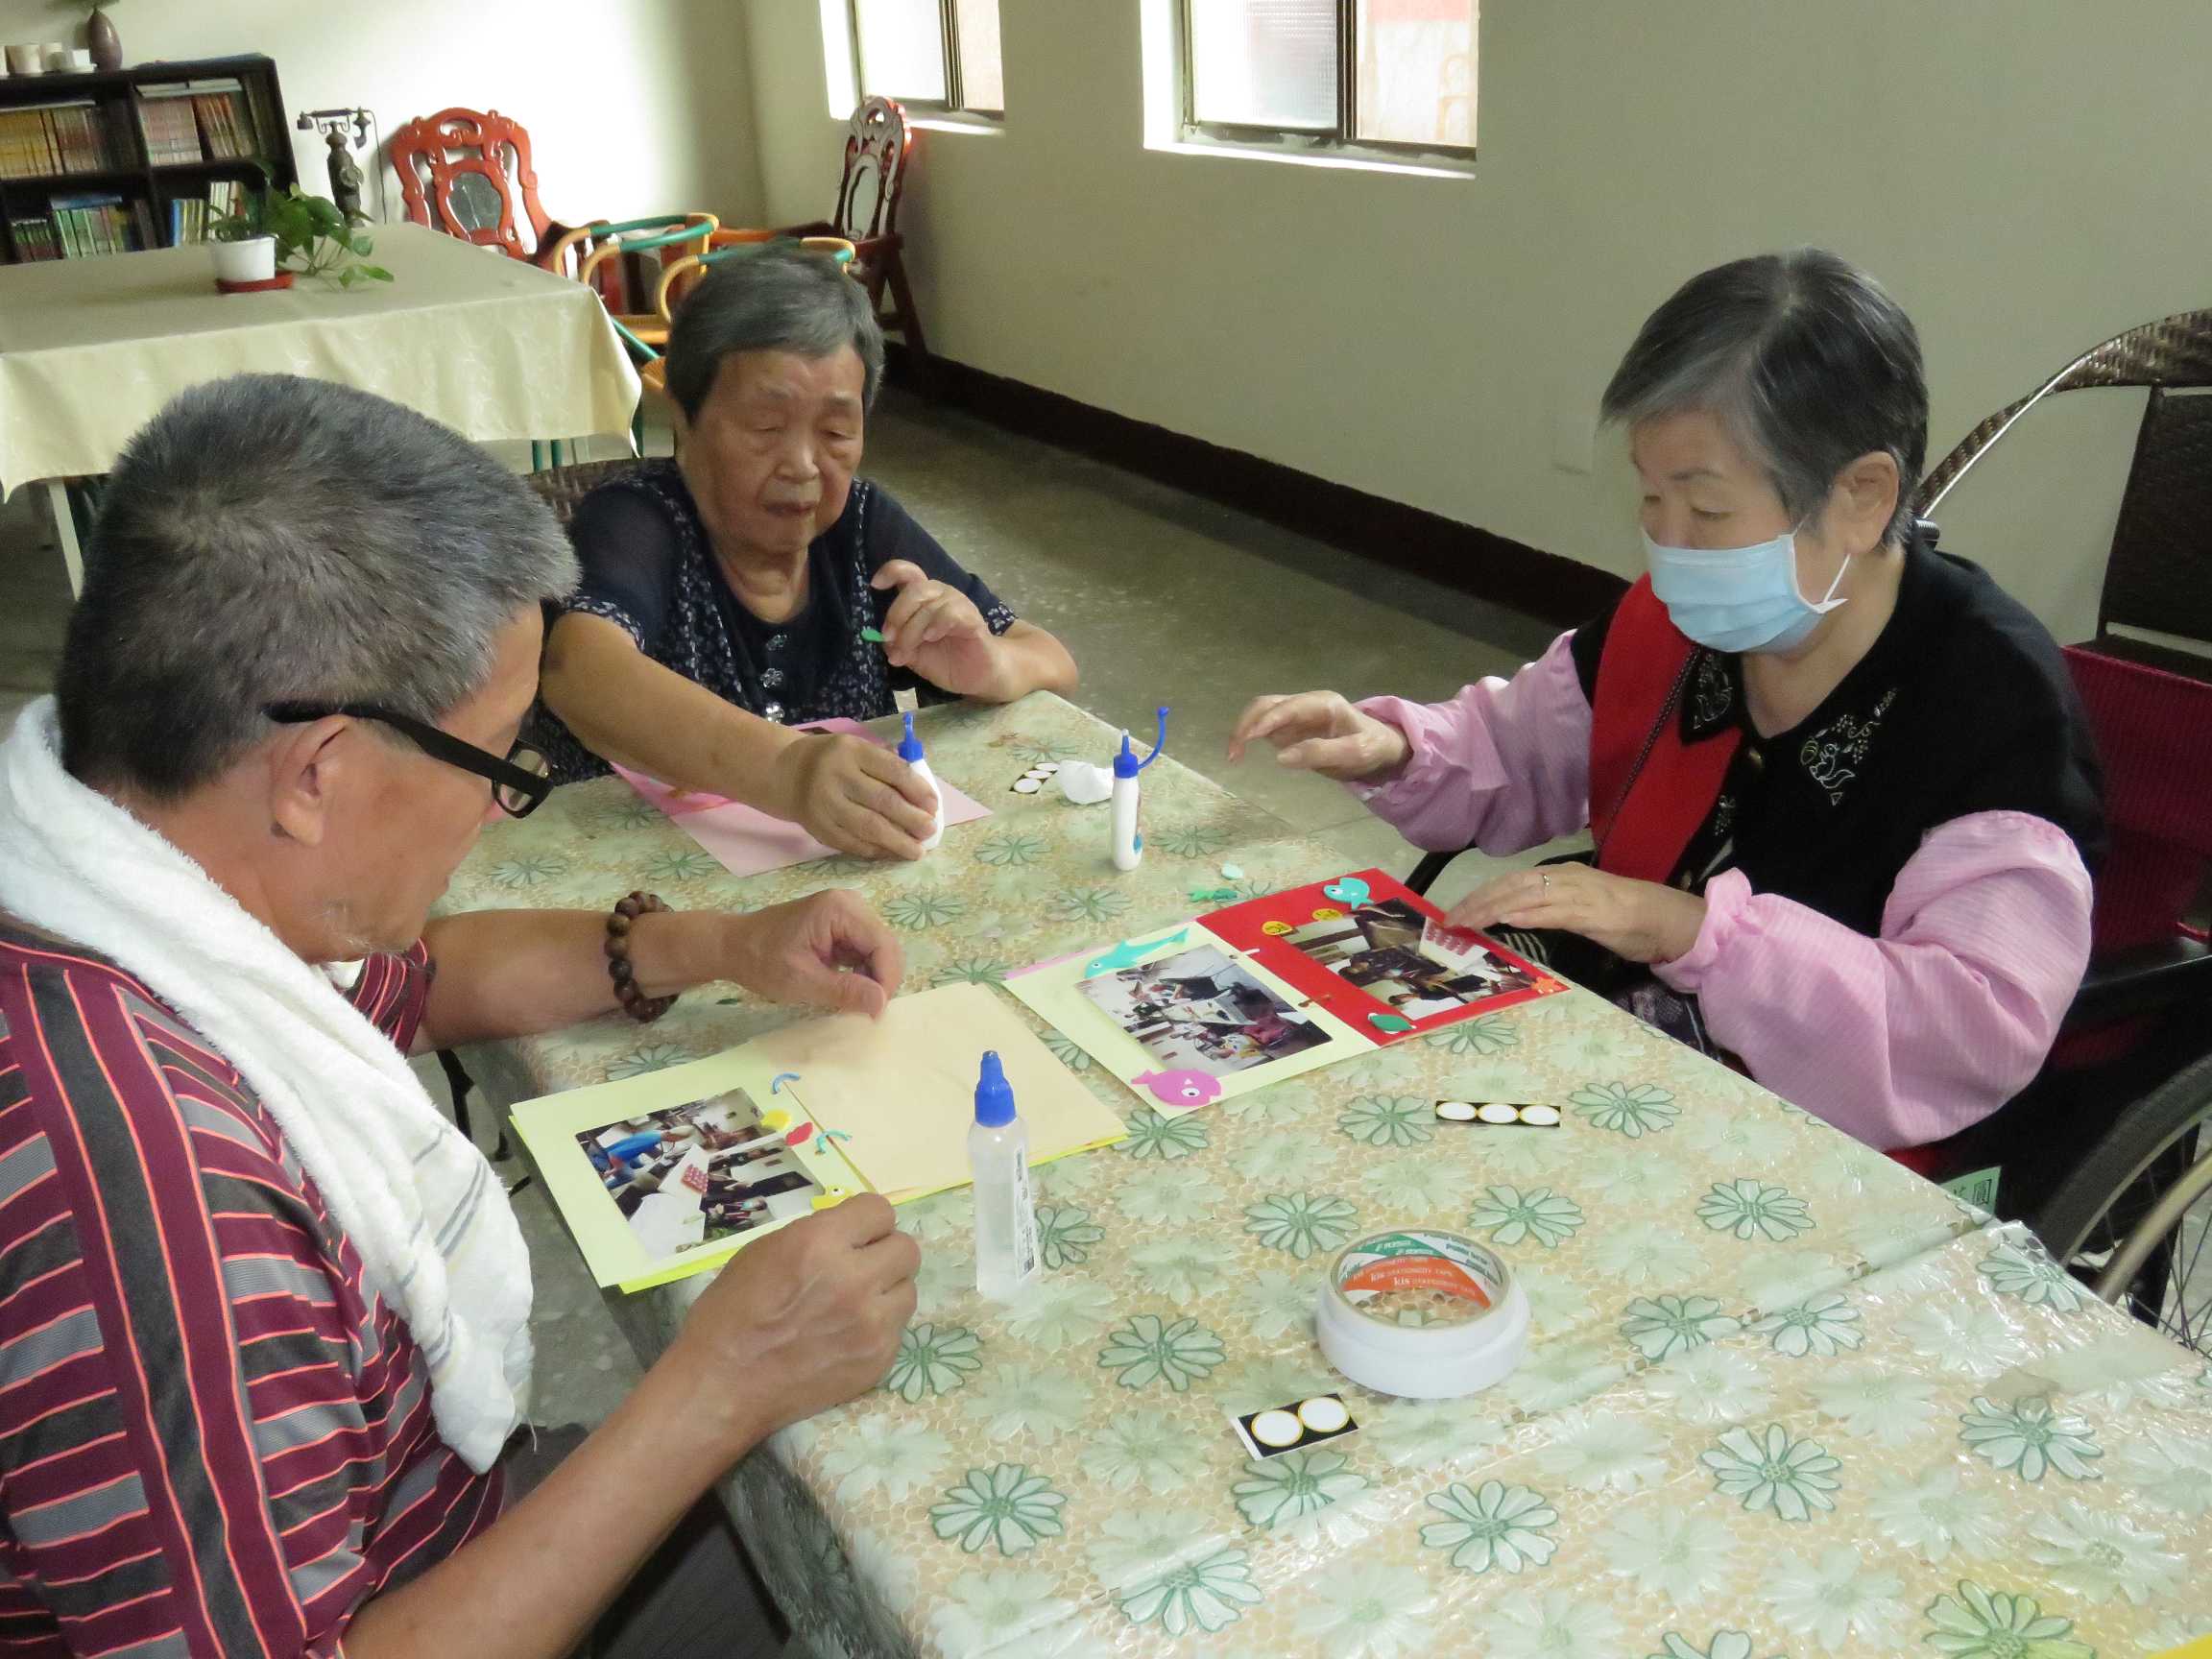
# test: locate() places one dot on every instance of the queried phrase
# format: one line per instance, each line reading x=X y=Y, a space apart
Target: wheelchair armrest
x=2143 y=981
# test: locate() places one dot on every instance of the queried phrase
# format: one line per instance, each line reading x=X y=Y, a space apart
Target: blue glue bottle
x=1006 y=1250
x=1128 y=844
x=910 y=751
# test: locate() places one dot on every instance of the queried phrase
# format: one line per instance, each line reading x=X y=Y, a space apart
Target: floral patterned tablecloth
x=1781 y=1397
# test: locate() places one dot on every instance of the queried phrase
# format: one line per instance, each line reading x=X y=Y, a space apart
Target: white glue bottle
x=1128 y=843
x=1005 y=1212
x=910 y=751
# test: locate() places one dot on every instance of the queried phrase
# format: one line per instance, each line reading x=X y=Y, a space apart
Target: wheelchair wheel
x=2132 y=1220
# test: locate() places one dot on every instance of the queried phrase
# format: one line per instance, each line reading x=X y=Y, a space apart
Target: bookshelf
x=140 y=157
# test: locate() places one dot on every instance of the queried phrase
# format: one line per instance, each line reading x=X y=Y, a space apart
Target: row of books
x=81 y=226
x=196 y=121
x=47 y=139
x=190 y=216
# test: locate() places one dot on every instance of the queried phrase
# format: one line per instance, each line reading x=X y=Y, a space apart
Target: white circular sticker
x=1498 y=1112
x=1276 y=1428
x=1324 y=1415
x=1025 y=786
x=1544 y=1116
x=1456 y=1111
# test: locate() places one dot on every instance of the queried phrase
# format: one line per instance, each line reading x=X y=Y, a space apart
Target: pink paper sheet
x=747 y=841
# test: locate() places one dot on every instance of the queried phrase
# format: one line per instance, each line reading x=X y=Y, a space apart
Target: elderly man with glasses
x=263 y=1311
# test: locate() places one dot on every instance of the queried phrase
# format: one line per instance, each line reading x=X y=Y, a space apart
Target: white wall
x=2025 y=174
x=634 y=106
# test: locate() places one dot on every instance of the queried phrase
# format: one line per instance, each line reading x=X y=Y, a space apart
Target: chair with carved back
x=468 y=173
x=878 y=146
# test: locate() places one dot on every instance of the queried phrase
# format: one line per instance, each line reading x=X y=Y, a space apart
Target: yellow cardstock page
x=881 y=1105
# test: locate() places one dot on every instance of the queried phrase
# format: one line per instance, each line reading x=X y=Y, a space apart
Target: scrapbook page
x=1245 y=996
x=667 y=1173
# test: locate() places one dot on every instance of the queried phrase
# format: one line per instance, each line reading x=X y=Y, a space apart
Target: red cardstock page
x=1364 y=946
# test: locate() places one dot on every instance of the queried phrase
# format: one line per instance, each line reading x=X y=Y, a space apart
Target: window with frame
x=1393 y=75
x=930 y=55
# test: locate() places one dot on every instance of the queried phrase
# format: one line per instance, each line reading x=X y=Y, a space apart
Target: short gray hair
x=267 y=538
x=1805 y=360
x=776 y=297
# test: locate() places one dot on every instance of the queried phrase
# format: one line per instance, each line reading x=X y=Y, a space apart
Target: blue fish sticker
x=1129 y=953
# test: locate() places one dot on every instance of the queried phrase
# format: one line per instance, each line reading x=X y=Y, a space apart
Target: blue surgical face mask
x=1737 y=599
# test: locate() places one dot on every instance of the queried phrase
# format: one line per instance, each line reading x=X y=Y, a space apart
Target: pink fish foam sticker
x=801 y=1133
x=1180 y=1088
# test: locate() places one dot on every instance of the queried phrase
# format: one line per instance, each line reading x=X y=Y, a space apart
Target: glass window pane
x=1264 y=63
x=1416 y=64
x=982 y=82
x=901 y=48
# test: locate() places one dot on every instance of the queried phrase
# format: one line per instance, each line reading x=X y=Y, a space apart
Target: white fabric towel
x=436 y=1235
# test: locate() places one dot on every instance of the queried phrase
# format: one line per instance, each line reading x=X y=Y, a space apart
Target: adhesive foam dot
x=1324 y=1414
x=1498 y=1112
x=1456 y=1111
x=1276 y=1428
x=1542 y=1115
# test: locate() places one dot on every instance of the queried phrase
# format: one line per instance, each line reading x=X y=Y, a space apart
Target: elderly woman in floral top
x=725 y=593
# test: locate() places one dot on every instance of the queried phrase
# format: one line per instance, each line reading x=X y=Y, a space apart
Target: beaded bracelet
x=628 y=992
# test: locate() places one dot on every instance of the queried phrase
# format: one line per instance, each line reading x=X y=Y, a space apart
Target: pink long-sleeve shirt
x=1900 y=1039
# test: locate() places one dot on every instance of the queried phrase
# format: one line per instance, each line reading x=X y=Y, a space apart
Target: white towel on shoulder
x=436 y=1235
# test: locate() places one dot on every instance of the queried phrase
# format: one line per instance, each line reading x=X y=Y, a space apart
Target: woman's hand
x=854 y=795
x=828 y=949
x=1321 y=731
x=937 y=632
x=1640 y=921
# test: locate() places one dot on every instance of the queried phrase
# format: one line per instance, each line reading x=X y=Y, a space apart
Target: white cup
x=25 y=60
x=54 y=55
x=79 y=61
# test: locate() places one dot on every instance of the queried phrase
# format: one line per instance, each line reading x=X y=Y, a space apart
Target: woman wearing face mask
x=1842 y=799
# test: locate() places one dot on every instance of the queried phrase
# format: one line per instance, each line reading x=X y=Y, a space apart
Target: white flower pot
x=253 y=261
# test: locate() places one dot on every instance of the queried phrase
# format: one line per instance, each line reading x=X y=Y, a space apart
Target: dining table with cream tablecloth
x=1782 y=1397
x=493 y=348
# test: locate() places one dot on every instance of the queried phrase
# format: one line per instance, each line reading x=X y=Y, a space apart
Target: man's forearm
x=530 y=1586
x=505 y=973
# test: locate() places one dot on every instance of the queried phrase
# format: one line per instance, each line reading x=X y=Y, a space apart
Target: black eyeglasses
x=520 y=782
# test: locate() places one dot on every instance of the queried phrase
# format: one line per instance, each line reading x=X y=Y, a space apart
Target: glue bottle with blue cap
x=910 y=751
x=1128 y=844
x=1007 y=1249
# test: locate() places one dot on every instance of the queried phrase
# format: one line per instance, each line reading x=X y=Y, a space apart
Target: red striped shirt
x=211 y=1442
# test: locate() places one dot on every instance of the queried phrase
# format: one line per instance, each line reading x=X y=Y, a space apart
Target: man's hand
x=828 y=949
x=856 y=796
x=806 y=1318
x=937 y=632
x=1321 y=731
x=1640 y=921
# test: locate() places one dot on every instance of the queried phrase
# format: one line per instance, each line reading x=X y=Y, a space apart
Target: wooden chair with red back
x=468 y=173
x=876 y=144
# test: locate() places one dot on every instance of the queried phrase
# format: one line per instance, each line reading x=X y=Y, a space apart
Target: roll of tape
x=1421 y=1313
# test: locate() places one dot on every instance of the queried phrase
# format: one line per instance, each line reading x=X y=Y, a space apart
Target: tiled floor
x=1161 y=596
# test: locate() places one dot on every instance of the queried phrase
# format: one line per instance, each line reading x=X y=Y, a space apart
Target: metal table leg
x=66 y=532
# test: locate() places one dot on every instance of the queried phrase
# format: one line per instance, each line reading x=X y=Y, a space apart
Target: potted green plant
x=309 y=235
x=243 y=247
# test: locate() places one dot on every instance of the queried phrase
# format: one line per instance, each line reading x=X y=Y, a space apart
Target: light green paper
x=1051 y=989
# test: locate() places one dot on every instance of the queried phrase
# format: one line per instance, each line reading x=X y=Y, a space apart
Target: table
x=1783 y=1398
x=90 y=349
